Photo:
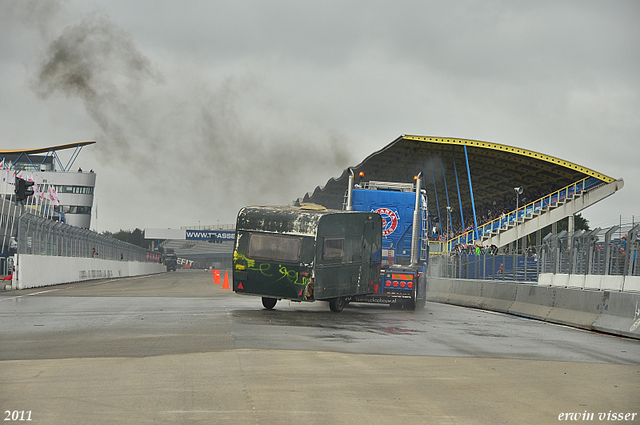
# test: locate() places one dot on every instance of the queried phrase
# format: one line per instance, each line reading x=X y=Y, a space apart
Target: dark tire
x=269 y=303
x=414 y=300
x=337 y=304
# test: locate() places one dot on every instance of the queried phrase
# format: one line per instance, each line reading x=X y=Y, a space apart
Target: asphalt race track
x=175 y=348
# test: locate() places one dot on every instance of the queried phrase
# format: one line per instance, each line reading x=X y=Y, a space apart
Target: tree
x=579 y=223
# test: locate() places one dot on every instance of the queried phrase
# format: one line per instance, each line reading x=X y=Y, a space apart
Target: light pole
x=449 y=209
x=518 y=191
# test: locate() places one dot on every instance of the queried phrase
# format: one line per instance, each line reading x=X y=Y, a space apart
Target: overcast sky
x=202 y=107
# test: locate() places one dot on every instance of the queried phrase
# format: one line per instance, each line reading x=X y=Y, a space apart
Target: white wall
x=39 y=270
x=597 y=282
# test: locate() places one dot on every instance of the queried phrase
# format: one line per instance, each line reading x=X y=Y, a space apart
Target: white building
x=75 y=188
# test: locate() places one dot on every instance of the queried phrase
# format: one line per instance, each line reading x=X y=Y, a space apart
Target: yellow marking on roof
x=45 y=150
x=512 y=150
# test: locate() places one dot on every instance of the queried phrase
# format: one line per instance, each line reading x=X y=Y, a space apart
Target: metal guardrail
x=608 y=252
x=41 y=236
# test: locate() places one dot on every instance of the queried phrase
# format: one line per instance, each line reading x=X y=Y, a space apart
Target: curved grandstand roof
x=36 y=151
x=495 y=170
x=15 y=155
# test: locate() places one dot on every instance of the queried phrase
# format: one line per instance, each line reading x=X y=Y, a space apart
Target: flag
x=53 y=196
x=11 y=176
x=50 y=193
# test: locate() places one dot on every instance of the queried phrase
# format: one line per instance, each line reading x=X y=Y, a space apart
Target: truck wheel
x=413 y=303
x=269 y=303
x=337 y=304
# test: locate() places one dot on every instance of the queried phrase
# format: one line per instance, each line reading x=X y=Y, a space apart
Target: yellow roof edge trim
x=511 y=149
x=44 y=150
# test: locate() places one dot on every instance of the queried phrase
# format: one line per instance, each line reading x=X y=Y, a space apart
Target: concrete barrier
x=497 y=296
x=533 y=301
x=632 y=283
x=560 y=280
x=40 y=270
x=461 y=293
x=621 y=315
x=576 y=281
x=612 y=283
x=605 y=311
x=593 y=281
x=439 y=290
x=577 y=308
x=545 y=279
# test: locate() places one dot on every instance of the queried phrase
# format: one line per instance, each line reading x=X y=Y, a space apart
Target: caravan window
x=333 y=249
x=275 y=247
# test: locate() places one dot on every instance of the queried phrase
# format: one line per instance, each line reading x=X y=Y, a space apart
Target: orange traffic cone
x=213 y=274
x=216 y=277
x=225 y=285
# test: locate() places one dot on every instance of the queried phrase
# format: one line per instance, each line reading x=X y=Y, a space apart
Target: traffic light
x=23 y=189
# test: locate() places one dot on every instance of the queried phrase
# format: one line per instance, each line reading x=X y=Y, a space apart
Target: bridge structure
x=480 y=192
x=199 y=247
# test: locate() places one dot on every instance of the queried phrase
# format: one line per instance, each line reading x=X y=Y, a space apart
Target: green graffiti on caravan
x=265 y=269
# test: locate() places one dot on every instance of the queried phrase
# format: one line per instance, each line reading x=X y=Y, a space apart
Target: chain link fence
x=609 y=252
x=41 y=236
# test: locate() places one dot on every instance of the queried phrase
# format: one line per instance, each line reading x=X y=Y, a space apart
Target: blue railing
x=526 y=211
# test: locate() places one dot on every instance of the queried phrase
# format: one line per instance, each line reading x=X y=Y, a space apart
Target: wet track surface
x=185 y=312
x=95 y=352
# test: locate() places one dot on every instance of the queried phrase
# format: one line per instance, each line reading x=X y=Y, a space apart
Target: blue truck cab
x=405 y=249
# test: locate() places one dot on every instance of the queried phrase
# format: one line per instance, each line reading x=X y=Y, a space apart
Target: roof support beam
x=473 y=204
x=435 y=190
x=455 y=171
x=446 y=191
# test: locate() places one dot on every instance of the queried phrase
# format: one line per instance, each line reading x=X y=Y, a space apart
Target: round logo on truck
x=389 y=220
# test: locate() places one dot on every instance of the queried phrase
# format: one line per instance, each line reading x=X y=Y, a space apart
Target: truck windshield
x=275 y=247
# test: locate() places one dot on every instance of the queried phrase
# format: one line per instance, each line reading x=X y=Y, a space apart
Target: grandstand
x=480 y=192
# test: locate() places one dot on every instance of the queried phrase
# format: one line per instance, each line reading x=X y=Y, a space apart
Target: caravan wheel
x=337 y=304
x=269 y=303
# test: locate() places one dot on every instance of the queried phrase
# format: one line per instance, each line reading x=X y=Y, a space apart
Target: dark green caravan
x=306 y=253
